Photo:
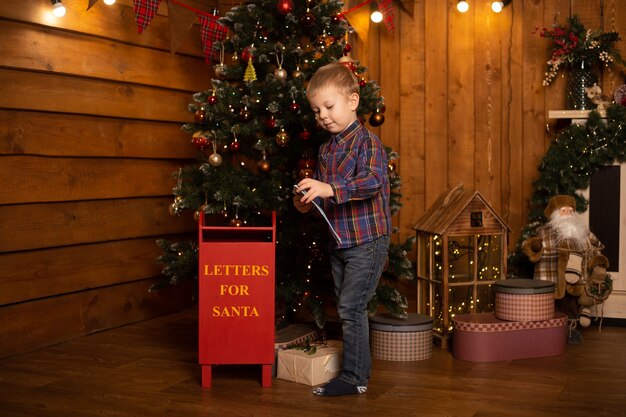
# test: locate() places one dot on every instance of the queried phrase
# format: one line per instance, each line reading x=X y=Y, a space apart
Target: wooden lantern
x=461 y=252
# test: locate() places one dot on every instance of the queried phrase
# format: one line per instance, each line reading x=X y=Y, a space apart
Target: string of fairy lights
x=59 y=10
x=466 y=293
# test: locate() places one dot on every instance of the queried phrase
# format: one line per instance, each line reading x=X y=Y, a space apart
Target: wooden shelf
x=573 y=114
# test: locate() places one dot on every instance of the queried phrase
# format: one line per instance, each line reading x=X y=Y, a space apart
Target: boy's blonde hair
x=334 y=75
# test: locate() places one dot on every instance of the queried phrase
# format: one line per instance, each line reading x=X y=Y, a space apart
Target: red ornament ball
x=336 y=18
x=305 y=135
x=347 y=49
x=200 y=141
x=212 y=99
x=247 y=53
x=362 y=82
x=308 y=19
x=199 y=117
x=284 y=6
x=271 y=122
x=234 y=146
x=307 y=163
x=347 y=62
x=294 y=107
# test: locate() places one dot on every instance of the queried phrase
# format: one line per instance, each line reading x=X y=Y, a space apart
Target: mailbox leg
x=206 y=376
x=267 y=376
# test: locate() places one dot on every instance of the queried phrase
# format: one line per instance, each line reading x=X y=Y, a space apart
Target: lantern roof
x=449 y=206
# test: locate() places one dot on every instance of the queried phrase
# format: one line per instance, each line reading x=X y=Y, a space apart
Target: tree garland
x=577 y=152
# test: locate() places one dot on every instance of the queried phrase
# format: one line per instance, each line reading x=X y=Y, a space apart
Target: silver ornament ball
x=280 y=74
x=215 y=159
x=220 y=70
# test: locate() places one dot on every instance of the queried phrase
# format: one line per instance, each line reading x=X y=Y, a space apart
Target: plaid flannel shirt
x=354 y=163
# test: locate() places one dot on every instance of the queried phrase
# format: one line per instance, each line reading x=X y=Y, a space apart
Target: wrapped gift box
x=482 y=337
x=396 y=339
x=524 y=300
x=295 y=334
x=311 y=369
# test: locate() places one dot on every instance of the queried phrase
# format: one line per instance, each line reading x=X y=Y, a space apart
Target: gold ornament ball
x=297 y=73
x=282 y=138
x=245 y=115
x=236 y=222
x=173 y=209
x=178 y=200
x=305 y=173
x=220 y=70
x=215 y=159
x=280 y=74
x=264 y=166
x=377 y=119
x=391 y=166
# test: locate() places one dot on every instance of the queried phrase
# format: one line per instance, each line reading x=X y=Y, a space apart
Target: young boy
x=351 y=184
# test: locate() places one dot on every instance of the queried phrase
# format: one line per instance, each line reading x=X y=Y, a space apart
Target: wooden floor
x=150 y=369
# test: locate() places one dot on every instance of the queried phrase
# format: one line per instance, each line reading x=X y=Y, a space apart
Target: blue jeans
x=356 y=272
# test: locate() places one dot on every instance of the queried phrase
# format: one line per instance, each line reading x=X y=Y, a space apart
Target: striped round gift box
x=396 y=339
x=524 y=300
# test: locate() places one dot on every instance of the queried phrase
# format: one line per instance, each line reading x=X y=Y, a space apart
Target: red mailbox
x=236 y=297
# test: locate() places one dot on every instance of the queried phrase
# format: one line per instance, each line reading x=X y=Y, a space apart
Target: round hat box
x=524 y=300
x=397 y=339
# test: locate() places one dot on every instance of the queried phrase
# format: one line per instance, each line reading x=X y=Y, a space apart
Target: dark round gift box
x=396 y=339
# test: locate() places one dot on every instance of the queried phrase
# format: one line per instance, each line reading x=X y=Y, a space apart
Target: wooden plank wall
x=90 y=116
x=464 y=97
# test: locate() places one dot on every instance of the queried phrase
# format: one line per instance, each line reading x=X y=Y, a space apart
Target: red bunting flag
x=387 y=9
x=212 y=31
x=144 y=12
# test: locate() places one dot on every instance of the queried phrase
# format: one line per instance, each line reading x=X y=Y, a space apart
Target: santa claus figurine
x=566 y=252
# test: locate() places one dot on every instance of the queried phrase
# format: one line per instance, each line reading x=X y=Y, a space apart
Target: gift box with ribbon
x=311 y=365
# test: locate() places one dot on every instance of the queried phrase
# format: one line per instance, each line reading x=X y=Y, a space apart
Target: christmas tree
x=256 y=137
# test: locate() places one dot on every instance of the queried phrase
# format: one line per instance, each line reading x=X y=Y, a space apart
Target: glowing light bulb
x=462 y=6
x=109 y=2
x=57 y=8
x=497 y=6
x=376 y=16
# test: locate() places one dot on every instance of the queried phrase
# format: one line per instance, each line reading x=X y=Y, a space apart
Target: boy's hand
x=314 y=189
